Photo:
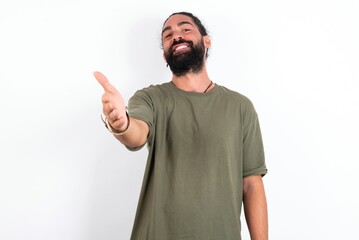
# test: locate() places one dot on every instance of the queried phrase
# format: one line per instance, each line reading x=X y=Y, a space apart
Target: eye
x=167 y=36
x=186 y=30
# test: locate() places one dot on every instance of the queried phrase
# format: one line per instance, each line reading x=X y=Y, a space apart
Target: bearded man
x=206 y=154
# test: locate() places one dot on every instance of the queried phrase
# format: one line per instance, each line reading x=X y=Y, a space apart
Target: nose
x=177 y=37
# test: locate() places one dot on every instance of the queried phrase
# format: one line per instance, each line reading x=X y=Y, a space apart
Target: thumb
x=102 y=79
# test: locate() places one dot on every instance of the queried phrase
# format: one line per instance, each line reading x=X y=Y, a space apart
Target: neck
x=193 y=82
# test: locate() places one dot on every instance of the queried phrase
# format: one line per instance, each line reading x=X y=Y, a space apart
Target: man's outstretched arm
x=114 y=109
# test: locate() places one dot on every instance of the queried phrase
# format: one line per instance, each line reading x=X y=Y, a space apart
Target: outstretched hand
x=114 y=108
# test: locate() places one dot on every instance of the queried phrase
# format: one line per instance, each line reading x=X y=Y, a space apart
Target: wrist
x=112 y=129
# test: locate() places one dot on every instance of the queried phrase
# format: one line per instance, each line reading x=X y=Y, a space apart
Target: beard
x=185 y=62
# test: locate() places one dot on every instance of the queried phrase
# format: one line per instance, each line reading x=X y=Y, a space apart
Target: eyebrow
x=178 y=24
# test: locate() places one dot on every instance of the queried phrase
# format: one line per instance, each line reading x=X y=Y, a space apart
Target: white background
x=63 y=176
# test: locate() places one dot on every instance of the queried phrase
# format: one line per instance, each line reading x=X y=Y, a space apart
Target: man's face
x=183 y=45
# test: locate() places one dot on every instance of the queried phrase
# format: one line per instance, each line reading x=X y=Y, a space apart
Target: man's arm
x=135 y=135
x=255 y=207
x=114 y=109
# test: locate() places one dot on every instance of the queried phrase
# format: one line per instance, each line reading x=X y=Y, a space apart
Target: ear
x=207 y=41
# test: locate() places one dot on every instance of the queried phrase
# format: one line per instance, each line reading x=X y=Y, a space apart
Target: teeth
x=180 y=47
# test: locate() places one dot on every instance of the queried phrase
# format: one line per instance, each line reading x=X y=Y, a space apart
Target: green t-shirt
x=201 y=145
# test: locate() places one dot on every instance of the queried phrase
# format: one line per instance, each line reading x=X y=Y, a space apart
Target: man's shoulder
x=155 y=88
x=153 y=93
x=234 y=95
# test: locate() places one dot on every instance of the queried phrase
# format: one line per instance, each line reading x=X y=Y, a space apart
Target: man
x=205 y=148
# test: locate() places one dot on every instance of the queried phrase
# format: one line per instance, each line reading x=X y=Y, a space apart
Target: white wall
x=63 y=176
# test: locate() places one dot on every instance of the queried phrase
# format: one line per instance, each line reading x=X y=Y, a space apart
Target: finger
x=106 y=98
x=120 y=124
x=114 y=115
x=102 y=79
x=108 y=108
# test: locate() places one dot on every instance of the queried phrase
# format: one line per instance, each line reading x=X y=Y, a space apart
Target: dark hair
x=195 y=19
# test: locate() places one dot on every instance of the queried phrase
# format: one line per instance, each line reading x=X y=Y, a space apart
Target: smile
x=180 y=47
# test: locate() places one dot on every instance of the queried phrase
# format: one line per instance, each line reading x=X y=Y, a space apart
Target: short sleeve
x=140 y=106
x=253 y=152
